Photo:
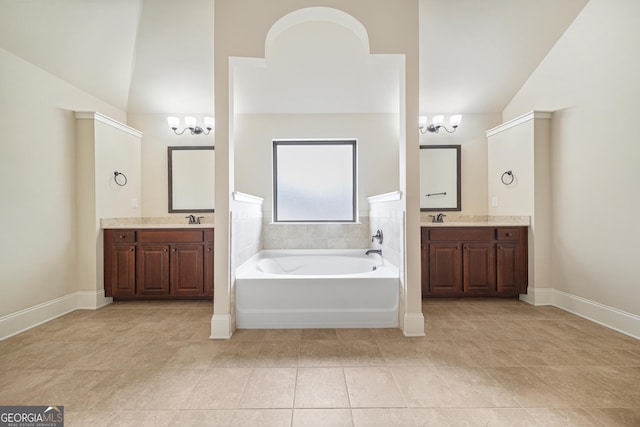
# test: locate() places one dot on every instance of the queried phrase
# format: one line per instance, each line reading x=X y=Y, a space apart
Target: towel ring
x=116 y=175
x=509 y=179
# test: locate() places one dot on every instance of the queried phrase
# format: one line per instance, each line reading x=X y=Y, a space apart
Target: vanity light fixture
x=437 y=123
x=191 y=124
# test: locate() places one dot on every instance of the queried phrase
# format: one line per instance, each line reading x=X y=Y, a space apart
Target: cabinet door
x=509 y=271
x=445 y=268
x=479 y=264
x=208 y=270
x=187 y=274
x=152 y=270
x=121 y=276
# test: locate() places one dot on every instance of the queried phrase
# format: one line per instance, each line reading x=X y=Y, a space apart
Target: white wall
x=37 y=159
x=590 y=81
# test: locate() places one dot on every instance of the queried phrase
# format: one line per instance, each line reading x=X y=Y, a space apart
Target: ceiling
x=156 y=56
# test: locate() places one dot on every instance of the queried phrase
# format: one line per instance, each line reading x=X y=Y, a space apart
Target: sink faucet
x=192 y=219
x=440 y=217
x=374 y=251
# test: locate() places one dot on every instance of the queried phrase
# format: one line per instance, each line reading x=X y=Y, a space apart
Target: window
x=314 y=181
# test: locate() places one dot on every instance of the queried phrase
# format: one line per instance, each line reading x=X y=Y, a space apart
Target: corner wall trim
x=518 y=121
x=413 y=325
x=99 y=117
x=221 y=327
x=23 y=320
x=610 y=317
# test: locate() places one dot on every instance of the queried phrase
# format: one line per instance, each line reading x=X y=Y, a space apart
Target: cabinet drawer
x=123 y=236
x=508 y=234
x=170 y=236
x=458 y=234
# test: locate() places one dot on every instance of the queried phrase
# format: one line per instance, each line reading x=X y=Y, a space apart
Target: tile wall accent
x=316 y=236
x=388 y=216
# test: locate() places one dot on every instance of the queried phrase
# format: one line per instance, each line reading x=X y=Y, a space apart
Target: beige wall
x=37 y=159
x=157 y=136
x=594 y=152
x=473 y=141
x=377 y=136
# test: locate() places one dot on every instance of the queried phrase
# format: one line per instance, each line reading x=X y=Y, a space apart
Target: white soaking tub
x=316 y=289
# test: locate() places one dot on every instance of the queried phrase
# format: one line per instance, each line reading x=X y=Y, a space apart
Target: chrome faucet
x=374 y=251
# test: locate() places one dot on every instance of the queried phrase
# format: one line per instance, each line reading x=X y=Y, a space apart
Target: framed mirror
x=440 y=178
x=191 y=179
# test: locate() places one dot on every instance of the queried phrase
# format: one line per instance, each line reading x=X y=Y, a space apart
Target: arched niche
x=317 y=80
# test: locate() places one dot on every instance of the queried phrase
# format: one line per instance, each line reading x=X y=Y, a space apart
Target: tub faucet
x=374 y=251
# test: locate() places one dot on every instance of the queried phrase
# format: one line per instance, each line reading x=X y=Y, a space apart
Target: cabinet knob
x=122 y=236
x=509 y=234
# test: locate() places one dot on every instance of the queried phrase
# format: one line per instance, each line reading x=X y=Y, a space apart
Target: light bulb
x=190 y=122
x=173 y=121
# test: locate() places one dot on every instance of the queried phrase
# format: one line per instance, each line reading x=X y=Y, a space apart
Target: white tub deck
x=368 y=299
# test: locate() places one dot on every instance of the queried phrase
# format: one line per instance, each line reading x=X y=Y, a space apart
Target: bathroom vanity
x=158 y=263
x=474 y=261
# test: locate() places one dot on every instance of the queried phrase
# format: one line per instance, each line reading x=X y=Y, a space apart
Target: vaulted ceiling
x=156 y=56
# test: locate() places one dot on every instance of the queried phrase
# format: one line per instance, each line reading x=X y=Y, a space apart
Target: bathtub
x=316 y=289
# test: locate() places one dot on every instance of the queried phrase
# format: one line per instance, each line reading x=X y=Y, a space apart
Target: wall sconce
x=190 y=123
x=454 y=122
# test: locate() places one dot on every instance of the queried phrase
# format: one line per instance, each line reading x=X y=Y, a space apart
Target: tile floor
x=482 y=363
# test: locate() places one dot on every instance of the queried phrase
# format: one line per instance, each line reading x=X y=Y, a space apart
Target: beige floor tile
x=319 y=353
x=319 y=334
x=321 y=388
x=322 y=418
x=425 y=387
x=383 y=417
x=83 y=419
x=528 y=389
x=218 y=418
x=502 y=417
x=562 y=417
x=372 y=387
x=142 y=419
x=278 y=354
x=262 y=418
x=192 y=355
x=618 y=417
x=218 y=388
x=476 y=388
x=152 y=363
x=585 y=391
x=269 y=388
x=442 y=417
x=360 y=353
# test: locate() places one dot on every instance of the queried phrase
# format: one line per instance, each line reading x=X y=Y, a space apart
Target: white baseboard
x=20 y=321
x=221 y=327
x=611 y=317
x=413 y=325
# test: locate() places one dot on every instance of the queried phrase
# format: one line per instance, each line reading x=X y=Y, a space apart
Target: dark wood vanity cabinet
x=474 y=261
x=158 y=263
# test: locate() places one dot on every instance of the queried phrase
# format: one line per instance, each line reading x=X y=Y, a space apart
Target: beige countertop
x=154 y=222
x=472 y=224
x=476 y=221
